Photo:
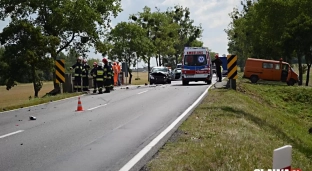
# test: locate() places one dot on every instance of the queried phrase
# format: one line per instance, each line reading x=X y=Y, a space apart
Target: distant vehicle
x=213 y=67
x=160 y=75
x=179 y=66
x=270 y=70
x=224 y=65
x=196 y=65
x=176 y=74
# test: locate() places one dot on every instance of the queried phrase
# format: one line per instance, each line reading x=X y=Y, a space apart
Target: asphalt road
x=105 y=136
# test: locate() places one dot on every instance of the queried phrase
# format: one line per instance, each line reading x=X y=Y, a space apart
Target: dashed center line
x=143 y=92
x=12 y=133
x=97 y=107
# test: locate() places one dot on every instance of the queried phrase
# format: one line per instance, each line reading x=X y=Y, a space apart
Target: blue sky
x=212 y=14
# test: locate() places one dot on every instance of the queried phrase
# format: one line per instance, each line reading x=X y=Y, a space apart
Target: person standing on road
x=116 y=72
x=100 y=77
x=119 y=73
x=78 y=71
x=218 y=63
x=93 y=74
x=85 y=75
x=107 y=76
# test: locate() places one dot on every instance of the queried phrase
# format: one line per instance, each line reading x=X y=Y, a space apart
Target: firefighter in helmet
x=93 y=74
x=111 y=86
x=78 y=73
x=85 y=75
x=99 y=74
x=107 y=76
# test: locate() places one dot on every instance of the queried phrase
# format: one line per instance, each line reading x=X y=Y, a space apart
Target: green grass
x=238 y=130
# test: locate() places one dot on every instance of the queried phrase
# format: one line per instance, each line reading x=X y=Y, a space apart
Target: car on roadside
x=160 y=75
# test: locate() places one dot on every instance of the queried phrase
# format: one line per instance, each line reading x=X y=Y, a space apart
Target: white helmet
x=80 y=58
x=85 y=60
x=101 y=64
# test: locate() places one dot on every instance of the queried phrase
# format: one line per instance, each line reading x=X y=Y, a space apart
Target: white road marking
x=147 y=148
x=12 y=133
x=97 y=107
x=143 y=92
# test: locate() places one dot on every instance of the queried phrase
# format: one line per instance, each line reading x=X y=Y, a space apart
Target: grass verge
x=19 y=96
x=37 y=101
x=238 y=130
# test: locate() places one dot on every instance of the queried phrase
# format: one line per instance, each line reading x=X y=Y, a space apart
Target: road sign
x=232 y=66
x=60 y=71
x=282 y=157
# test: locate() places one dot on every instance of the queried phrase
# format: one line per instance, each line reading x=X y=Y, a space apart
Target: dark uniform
x=99 y=79
x=218 y=63
x=85 y=76
x=111 y=86
x=78 y=71
x=107 y=78
x=93 y=74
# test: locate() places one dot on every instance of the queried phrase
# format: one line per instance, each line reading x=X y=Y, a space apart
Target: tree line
x=273 y=29
x=41 y=31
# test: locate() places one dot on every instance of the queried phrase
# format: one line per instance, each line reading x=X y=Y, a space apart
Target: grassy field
x=238 y=130
x=139 y=78
x=19 y=95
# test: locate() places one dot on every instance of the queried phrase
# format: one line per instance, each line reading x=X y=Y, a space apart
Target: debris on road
x=32 y=118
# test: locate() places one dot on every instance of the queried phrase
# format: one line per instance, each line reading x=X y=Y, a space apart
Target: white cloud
x=212 y=14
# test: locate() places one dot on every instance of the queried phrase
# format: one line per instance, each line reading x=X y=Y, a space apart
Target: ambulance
x=196 y=65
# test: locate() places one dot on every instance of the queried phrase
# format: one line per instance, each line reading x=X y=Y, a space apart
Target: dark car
x=160 y=75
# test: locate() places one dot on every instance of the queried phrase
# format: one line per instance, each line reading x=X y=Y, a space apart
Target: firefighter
x=100 y=75
x=111 y=76
x=78 y=71
x=93 y=74
x=218 y=63
x=115 y=69
x=85 y=75
x=107 y=76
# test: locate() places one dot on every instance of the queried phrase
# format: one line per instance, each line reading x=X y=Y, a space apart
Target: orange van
x=270 y=70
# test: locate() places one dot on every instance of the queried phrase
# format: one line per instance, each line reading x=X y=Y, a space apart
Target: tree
x=187 y=32
x=126 y=38
x=76 y=24
x=26 y=52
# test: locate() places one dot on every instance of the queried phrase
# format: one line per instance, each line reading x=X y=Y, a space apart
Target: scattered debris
x=32 y=118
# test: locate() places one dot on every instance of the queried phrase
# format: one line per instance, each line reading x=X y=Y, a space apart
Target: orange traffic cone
x=79 y=107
